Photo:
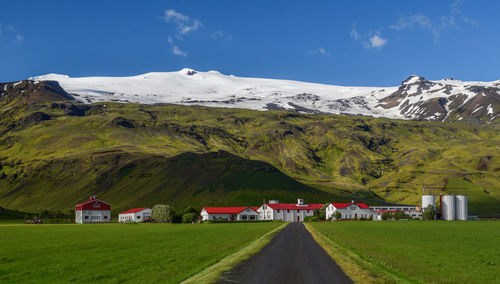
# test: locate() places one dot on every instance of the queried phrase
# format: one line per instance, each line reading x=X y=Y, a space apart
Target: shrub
x=189 y=218
x=311 y=219
x=191 y=209
x=338 y=215
x=162 y=213
x=400 y=215
x=387 y=216
x=428 y=213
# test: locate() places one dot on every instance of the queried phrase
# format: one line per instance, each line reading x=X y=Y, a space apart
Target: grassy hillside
x=55 y=154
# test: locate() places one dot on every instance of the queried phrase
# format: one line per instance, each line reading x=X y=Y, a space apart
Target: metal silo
x=448 y=207
x=428 y=200
x=461 y=208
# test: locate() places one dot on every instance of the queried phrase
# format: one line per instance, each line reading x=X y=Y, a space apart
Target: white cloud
x=320 y=51
x=9 y=33
x=377 y=42
x=222 y=35
x=368 y=40
x=184 y=23
x=423 y=22
x=175 y=49
x=354 y=33
x=18 y=39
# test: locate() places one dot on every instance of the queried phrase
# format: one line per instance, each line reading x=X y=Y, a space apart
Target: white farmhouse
x=229 y=213
x=287 y=212
x=349 y=210
x=135 y=215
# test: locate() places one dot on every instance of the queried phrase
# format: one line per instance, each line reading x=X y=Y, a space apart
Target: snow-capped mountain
x=416 y=98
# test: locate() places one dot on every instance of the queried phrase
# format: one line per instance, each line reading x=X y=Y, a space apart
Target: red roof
x=135 y=210
x=345 y=205
x=90 y=200
x=254 y=208
x=226 y=210
x=293 y=206
x=93 y=204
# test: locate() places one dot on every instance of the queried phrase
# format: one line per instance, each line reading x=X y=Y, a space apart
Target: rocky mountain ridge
x=416 y=98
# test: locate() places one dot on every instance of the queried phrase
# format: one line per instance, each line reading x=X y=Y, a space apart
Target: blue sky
x=365 y=43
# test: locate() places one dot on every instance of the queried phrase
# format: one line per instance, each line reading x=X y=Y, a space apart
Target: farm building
x=377 y=216
x=229 y=213
x=135 y=215
x=349 y=210
x=92 y=211
x=287 y=212
x=395 y=207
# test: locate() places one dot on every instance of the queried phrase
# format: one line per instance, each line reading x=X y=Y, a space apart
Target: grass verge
x=358 y=269
x=212 y=273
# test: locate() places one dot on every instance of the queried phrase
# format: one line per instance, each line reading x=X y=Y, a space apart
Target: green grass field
x=117 y=253
x=430 y=252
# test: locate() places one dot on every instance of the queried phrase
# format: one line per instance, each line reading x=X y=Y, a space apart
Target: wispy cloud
x=9 y=33
x=436 y=27
x=368 y=40
x=320 y=51
x=185 y=24
x=219 y=34
x=18 y=39
x=175 y=49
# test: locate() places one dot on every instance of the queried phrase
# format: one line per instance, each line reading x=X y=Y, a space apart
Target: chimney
x=300 y=201
x=93 y=197
x=352 y=201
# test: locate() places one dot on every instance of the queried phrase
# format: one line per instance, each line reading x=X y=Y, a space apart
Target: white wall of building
x=352 y=211
x=135 y=217
x=245 y=215
x=92 y=216
x=287 y=215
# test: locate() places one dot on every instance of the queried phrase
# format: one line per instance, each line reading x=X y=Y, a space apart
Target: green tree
x=162 y=213
x=387 y=216
x=338 y=215
x=428 y=213
x=322 y=212
x=400 y=215
x=189 y=217
x=191 y=209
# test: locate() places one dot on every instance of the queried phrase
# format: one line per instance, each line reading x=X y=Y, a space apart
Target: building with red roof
x=135 y=215
x=92 y=211
x=242 y=213
x=349 y=211
x=288 y=212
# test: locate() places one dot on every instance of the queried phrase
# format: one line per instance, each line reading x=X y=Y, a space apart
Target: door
x=298 y=218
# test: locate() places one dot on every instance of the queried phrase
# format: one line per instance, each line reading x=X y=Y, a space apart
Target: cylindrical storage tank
x=428 y=200
x=448 y=207
x=461 y=212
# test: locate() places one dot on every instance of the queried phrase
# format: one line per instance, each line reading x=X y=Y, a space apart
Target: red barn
x=92 y=211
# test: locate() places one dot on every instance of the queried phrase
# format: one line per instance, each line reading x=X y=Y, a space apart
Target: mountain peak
x=188 y=71
x=413 y=79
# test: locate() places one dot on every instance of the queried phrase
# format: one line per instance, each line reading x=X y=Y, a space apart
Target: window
x=138 y=217
x=288 y=211
x=252 y=217
x=105 y=217
x=307 y=210
x=86 y=217
x=96 y=205
x=278 y=211
x=244 y=217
